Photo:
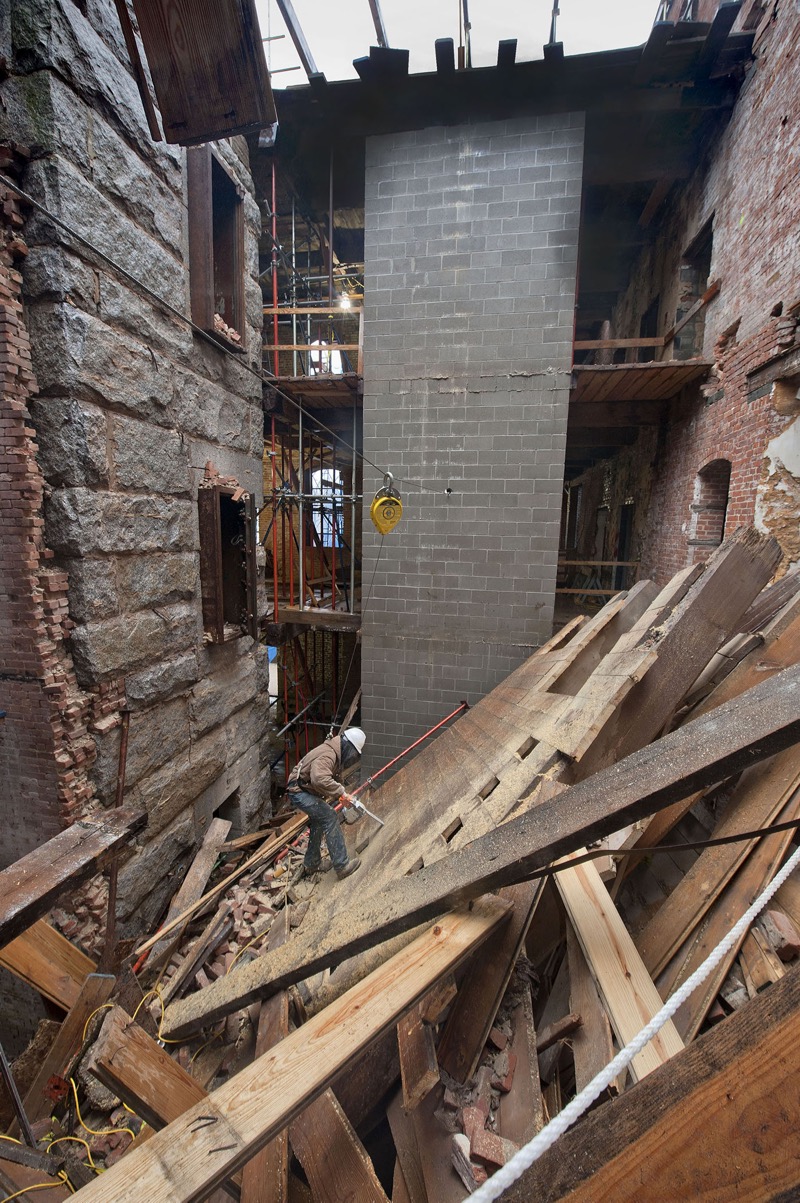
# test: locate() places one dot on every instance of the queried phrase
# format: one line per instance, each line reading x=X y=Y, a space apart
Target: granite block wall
x=124 y=404
x=471 y=249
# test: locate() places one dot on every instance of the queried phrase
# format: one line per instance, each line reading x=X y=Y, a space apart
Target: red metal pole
x=274 y=528
x=275 y=353
x=410 y=748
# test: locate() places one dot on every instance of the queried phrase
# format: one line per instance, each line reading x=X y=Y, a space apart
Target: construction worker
x=314 y=786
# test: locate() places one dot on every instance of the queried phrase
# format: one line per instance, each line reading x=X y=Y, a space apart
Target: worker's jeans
x=322 y=820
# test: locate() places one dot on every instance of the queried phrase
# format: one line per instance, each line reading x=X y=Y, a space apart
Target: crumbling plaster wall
x=748 y=184
x=131 y=404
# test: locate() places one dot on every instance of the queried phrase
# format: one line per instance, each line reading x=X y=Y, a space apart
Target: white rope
x=524 y=1159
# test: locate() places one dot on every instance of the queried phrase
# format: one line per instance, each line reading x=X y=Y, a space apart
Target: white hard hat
x=356 y=737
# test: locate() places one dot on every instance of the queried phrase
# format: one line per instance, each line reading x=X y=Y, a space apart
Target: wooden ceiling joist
x=635 y=381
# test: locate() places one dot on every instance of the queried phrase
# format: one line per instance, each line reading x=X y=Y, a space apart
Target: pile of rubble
x=553 y=865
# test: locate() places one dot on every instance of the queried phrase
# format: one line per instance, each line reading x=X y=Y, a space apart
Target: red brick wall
x=748 y=183
x=45 y=744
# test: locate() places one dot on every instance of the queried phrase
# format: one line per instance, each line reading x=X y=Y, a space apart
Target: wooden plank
x=95 y=991
x=760 y=966
x=419 y=1069
x=39 y=1186
x=592 y=1044
x=405 y=1142
x=611 y=344
x=49 y=962
x=218 y=928
x=684 y=642
x=781 y=649
x=474 y=1011
x=193 y=884
x=265 y=1177
x=749 y=728
x=760 y=794
x=719 y=1122
x=626 y=988
x=520 y=1114
x=194 y=1153
x=751 y=878
x=442 y=1183
x=334 y=1160
x=327 y=620
x=556 y=1006
x=707 y=296
x=400 y=1192
x=132 y=1065
x=30 y=887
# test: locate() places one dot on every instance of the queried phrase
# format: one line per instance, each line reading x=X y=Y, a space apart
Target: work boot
x=349 y=868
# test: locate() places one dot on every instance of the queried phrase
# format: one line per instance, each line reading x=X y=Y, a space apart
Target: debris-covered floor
x=402 y=1033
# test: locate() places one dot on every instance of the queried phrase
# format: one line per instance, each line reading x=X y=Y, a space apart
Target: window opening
x=694 y=273
x=227 y=562
x=231 y=810
x=327 y=509
x=710 y=508
x=216 y=247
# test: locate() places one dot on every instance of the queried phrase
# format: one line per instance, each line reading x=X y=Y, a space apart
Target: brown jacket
x=317 y=772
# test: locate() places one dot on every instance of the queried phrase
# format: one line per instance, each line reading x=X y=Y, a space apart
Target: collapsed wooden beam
x=30 y=887
x=719 y=1121
x=219 y=1134
x=757 y=724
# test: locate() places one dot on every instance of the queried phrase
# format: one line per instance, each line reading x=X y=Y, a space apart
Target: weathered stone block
x=231 y=685
x=149 y=458
x=72 y=440
x=161 y=681
x=175 y=785
x=119 y=645
x=148 y=580
x=156 y=736
x=57 y=185
x=80 y=521
x=92 y=589
x=249 y=729
x=149 y=879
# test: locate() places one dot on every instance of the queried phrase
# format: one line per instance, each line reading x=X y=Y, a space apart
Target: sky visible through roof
x=337 y=31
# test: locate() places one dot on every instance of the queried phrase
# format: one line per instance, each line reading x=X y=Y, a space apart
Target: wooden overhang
x=208 y=68
x=609 y=403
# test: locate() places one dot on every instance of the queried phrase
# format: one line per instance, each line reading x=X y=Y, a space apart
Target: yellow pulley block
x=387 y=508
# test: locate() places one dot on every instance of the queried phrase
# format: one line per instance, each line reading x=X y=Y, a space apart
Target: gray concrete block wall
x=471 y=250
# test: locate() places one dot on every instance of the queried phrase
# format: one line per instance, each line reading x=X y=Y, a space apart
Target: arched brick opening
x=709 y=508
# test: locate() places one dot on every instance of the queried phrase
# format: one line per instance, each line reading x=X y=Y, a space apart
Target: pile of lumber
x=553 y=866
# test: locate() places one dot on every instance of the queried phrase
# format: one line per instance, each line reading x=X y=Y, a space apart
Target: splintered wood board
x=718 y=1123
x=194 y=1154
x=46 y=960
x=193 y=883
x=629 y=995
x=30 y=886
x=761 y=722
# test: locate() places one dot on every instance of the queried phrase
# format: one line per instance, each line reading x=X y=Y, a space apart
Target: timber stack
x=554 y=866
